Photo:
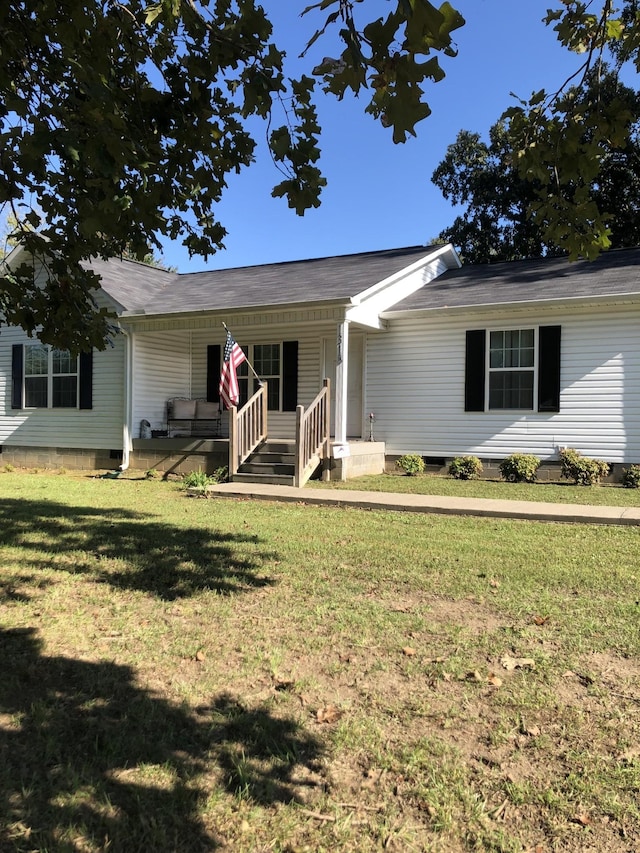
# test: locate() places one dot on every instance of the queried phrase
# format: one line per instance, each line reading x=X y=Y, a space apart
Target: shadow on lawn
x=130 y=550
x=88 y=760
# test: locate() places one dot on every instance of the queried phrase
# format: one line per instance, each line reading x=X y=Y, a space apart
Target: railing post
x=265 y=409
x=299 y=447
x=326 y=453
x=233 y=441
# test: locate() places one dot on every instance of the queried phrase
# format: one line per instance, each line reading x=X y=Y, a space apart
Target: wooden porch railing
x=312 y=436
x=247 y=428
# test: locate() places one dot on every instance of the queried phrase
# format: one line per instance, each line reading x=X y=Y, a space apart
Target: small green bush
x=465 y=468
x=519 y=468
x=153 y=474
x=195 y=480
x=631 y=477
x=220 y=475
x=9 y=468
x=583 y=471
x=411 y=464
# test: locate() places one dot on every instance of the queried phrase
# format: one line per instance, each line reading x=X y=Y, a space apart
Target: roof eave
x=269 y=308
x=554 y=302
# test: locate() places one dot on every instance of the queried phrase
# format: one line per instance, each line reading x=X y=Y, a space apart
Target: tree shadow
x=131 y=550
x=89 y=760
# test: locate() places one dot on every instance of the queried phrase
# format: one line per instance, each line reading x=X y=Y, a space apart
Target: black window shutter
x=17 y=375
x=549 y=369
x=213 y=373
x=289 y=376
x=86 y=380
x=474 y=370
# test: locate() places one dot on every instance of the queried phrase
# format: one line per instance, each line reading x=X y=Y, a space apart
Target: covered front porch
x=180 y=456
x=252 y=454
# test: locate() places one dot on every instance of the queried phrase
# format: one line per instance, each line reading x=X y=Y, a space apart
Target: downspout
x=128 y=400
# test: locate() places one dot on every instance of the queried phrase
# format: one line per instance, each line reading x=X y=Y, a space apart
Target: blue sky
x=379 y=195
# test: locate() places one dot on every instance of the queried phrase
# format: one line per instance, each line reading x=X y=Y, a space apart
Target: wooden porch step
x=270 y=479
x=255 y=465
x=273 y=463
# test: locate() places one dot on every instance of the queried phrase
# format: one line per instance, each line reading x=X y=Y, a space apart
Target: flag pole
x=246 y=359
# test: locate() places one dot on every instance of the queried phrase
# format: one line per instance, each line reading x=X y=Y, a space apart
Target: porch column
x=342 y=372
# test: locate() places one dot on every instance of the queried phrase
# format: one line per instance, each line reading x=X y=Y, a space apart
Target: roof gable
x=613 y=273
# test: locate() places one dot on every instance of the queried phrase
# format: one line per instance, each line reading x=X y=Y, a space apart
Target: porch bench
x=192 y=418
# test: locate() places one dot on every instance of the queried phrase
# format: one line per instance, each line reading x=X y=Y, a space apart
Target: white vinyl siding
x=162 y=369
x=415 y=387
x=97 y=428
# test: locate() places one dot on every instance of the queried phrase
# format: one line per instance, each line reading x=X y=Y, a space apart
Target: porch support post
x=342 y=372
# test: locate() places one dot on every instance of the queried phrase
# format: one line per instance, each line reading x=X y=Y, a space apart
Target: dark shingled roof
x=138 y=287
x=612 y=273
x=132 y=285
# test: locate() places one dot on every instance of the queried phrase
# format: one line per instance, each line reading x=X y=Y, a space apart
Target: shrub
x=519 y=468
x=411 y=464
x=153 y=474
x=220 y=475
x=9 y=468
x=195 y=480
x=465 y=468
x=631 y=477
x=583 y=472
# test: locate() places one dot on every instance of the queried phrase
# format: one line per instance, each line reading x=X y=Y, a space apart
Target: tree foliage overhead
x=120 y=121
x=496 y=223
x=561 y=139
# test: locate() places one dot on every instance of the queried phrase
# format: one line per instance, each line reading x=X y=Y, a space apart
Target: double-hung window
x=512 y=367
x=50 y=378
x=275 y=363
x=267 y=363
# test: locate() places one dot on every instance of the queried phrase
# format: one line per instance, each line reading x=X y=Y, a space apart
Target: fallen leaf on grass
x=541 y=620
x=408 y=651
x=494 y=680
x=328 y=714
x=200 y=655
x=583 y=819
x=283 y=684
x=473 y=676
x=517 y=663
x=630 y=755
x=494 y=583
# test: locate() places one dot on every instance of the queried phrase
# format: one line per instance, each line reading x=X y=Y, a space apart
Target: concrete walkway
x=529 y=510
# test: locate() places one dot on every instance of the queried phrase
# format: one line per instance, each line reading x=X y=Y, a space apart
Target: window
x=277 y=363
x=508 y=369
x=266 y=360
x=511 y=369
x=50 y=378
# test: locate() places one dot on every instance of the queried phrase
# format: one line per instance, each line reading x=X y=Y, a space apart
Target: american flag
x=233 y=358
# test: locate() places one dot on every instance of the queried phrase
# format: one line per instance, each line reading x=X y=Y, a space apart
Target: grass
x=182 y=674
x=605 y=494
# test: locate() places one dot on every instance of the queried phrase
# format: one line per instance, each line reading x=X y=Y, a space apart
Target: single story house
x=423 y=355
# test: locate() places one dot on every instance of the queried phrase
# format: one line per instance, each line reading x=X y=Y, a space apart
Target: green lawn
x=183 y=674
x=430 y=484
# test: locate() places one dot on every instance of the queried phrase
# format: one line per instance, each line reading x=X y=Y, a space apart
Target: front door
x=354 y=382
